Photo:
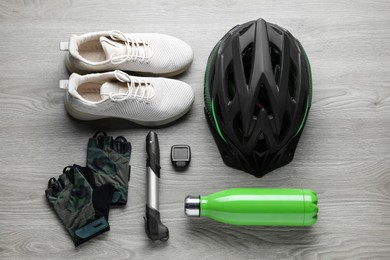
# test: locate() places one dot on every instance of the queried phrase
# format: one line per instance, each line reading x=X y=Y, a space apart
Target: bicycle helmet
x=257 y=96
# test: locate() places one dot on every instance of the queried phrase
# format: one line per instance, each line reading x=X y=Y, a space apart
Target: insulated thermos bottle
x=256 y=206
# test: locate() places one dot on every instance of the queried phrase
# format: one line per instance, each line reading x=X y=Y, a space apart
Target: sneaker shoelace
x=133 y=49
x=134 y=88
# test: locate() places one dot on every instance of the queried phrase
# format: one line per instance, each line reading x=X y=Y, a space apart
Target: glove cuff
x=91 y=230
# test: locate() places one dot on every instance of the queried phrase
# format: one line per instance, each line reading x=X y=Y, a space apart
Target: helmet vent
x=276 y=62
x=285 y=126
x=263 y=102
x=247 y=56
x=292 y=82
x=231 y=82
x=261 y=145
x=217 y=111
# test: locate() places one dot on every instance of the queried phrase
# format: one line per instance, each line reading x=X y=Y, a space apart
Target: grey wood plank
x=344 y=152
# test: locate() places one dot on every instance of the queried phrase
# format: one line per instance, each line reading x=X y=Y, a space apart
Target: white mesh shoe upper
x=138 y=52
x=144 y=100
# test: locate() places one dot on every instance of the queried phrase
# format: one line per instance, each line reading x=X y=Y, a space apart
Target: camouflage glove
x=82 y=207
x=108 y=158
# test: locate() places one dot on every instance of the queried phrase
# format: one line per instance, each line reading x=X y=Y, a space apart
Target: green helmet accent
x=216 y=122
x=208 y=101
x=309 y=97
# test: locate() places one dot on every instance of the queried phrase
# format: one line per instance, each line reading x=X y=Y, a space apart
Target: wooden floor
x=344 y=152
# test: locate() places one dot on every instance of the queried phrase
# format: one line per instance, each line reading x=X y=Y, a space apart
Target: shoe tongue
x=112 y=48
x=117 y=48
x=112 y=87
x=120 y=87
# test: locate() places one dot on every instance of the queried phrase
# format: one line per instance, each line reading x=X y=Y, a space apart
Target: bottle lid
x=192 y=206
x=311 y=207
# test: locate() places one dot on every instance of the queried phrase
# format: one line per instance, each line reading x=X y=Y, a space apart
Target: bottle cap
x=311 y=207
x=192 y=206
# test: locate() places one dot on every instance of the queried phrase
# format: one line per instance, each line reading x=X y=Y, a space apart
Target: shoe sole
x=89 y=117
x=72 y=69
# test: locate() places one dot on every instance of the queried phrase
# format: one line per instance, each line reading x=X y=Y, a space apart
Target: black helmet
x=257 y=96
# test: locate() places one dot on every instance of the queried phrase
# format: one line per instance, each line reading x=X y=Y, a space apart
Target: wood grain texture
x=344 y=152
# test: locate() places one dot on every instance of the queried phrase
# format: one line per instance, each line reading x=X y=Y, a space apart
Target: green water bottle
x=256 y=207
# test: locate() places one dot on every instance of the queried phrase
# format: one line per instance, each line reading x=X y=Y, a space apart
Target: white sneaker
x=142 y=100
x=145 y=53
